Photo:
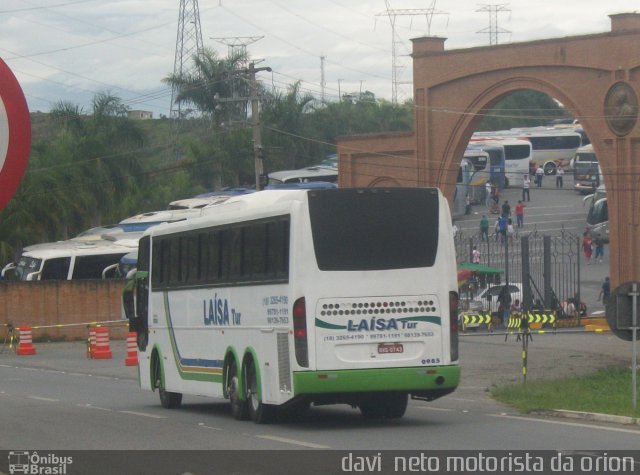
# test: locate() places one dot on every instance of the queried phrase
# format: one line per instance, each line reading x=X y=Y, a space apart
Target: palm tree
x=218 y=88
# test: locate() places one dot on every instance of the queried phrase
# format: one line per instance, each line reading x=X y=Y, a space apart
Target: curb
x=589 y=416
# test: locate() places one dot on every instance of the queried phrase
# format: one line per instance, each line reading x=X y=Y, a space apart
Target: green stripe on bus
x=330 y=326
x=386 y=379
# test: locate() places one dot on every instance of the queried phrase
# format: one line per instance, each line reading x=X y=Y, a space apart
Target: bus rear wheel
x=239 y=408
x=384 y=405
x=260 y=413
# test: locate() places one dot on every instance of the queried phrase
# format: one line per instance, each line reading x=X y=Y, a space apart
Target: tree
x=525 y=108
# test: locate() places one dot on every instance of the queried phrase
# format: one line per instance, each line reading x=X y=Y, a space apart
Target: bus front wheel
x=168 y=399
x=260 y=413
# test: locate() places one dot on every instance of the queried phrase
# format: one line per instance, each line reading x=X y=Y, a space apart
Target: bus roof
x=79 y=248
x=315 y=173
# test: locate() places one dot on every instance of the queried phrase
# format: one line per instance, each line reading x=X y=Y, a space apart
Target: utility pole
x=322 y=82
x=493 y=29
x=255 y=123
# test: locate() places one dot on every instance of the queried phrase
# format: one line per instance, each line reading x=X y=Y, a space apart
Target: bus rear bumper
x=427 y=382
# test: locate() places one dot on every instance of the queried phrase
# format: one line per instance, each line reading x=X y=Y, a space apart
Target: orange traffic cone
x=25 y=345
x=132 y=350
x=102 y=351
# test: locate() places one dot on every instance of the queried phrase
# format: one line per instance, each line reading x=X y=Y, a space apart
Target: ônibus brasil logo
x=23 y=461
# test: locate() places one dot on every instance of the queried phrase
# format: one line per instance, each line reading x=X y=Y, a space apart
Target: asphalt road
x=549 y=211
x=58 y=399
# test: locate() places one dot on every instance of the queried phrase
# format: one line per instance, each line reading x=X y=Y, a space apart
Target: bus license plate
x=386 y=348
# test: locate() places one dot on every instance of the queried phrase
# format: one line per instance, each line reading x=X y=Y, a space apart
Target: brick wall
x=64 y=302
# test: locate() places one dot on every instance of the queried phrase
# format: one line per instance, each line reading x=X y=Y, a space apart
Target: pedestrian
x=475 y=255
x=516 y=307
x=526 y=184
x=487 y=194
x=484 y=228
x=502 y=226
x=605 y=291
x=504 y=304
x=587 y=247
x=559 y=176
x=496 y=228
x=454 y=229
x=520 y=206
x=599 y=243
x=506 y=209
x=467 y=207
x=539 y=175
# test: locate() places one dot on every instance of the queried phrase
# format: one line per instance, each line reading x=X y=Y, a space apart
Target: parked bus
x=72 y=259
x=598 y=214
x=315 y=173
x=517 y=157
x=587 y=174
x=550 y=147
x=284 y=298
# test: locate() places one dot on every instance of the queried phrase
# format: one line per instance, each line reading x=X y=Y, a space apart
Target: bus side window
x=56 y=269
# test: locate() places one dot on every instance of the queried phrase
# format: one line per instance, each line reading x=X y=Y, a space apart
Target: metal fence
x=547 y=265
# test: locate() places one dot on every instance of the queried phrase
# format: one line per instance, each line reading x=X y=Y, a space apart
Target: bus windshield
x=598 y=212
x=27 y=265
x=356 y=232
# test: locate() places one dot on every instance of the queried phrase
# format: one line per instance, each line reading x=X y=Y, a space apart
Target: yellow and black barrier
x=476 y=318
x=525 y=320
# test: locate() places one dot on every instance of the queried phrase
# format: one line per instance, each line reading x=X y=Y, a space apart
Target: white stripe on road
x=572 y=424
x=38 y=398
x=429 y=408
x=90 y=406
x=202 y=424
x=293 y=442
x=143 y=414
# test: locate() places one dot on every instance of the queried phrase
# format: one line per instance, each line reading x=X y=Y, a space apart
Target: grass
x=606 y=392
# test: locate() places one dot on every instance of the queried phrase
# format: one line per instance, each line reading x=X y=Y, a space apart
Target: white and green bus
x=283 y=298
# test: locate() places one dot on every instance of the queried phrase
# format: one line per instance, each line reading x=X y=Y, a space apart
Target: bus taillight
x=453 y=324
x=300 y=332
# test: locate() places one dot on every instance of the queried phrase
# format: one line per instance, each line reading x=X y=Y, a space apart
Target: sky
x=69 y=50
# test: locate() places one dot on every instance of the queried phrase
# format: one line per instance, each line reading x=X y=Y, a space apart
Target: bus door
x=136 y=296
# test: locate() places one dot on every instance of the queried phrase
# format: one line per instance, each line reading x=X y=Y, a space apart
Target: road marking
x=293 y=442
x=573 y=424
x=441 y=409
x=462 y=399
x=90 y=406
x=202 y=424
x=38 y=398
x=597 y=312
x=143 y=414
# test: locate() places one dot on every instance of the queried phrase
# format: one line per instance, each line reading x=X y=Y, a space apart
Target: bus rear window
x=374 y=229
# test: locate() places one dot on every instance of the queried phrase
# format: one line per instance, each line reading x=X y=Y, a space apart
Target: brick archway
x=452 y=89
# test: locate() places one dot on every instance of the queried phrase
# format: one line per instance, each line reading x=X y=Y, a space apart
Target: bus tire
x=384 y=405
x=549 y=168
x=168 y=399
x=260 y=413
x=239 y=407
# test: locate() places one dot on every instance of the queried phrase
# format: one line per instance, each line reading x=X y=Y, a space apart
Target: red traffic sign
x=15 y=134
